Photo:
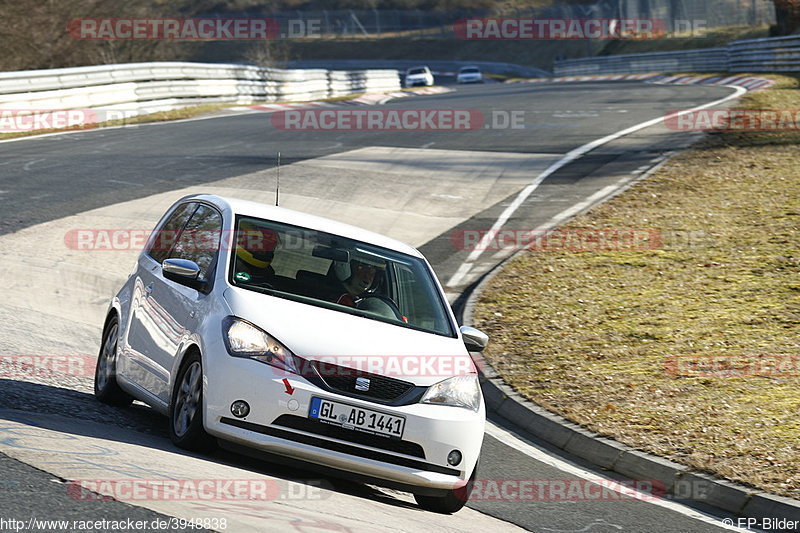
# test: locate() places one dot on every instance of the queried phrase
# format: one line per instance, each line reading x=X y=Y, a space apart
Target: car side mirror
x=474 y=339
x=184 y=272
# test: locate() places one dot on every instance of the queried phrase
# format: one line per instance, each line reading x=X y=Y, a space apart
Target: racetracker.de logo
x=49 y=366
x=733 y=120
x=378 y=120
x=16 y=120
x=570 y=239
x=174 y=489
x=565 y=490
x=177 y=29
x=196 y=490
x=101 y=239
x=733 y=366
x=394 y=366
x=558 y=29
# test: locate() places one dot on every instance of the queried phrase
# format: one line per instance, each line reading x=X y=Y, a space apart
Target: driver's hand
x=348 y=299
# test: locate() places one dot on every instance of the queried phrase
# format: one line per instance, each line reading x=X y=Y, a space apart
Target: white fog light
x=240 y=408
x=454 y=457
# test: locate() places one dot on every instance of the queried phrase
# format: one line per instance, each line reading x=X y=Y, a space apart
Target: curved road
x=419 y=186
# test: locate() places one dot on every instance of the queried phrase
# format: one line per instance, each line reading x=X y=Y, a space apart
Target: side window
x=199 y=241
x=405 y=289
x=413 y=301
x=161 y=243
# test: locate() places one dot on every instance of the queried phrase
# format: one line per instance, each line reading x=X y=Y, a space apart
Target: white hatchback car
x=302 y=337
x=418 y=76
x=469 y=75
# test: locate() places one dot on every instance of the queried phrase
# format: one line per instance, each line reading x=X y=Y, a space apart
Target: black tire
x=186 y=408
x=106 y=388
x=451 y=501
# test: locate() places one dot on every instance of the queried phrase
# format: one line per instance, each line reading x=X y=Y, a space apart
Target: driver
x=255 y=250
x=357 y=277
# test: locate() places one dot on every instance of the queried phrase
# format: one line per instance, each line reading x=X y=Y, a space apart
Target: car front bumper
x=411 y=82
x=278 y=423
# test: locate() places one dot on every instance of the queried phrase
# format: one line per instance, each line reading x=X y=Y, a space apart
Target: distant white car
x=302 y=337
x=469 y=75
x=419 y=76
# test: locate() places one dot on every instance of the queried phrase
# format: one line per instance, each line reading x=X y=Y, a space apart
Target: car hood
x=320 y=334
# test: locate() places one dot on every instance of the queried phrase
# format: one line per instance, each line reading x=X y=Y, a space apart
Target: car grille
x=343 y=380
x=335 y=432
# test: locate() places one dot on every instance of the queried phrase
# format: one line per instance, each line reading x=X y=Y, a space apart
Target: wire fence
x=677 y=16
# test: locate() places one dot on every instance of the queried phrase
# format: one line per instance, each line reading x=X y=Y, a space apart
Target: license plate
x=357 y=418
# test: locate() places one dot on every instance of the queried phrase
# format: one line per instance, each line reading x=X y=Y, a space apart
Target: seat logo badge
x=362 y=384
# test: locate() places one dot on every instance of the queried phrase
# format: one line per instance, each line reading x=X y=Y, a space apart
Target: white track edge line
x=513 y=441
x=569 y=157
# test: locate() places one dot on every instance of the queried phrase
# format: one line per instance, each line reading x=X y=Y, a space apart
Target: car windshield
x=416 y=71
x=337 y=273
x=471 y=70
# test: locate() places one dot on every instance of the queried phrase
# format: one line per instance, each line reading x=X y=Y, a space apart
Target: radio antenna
x=278 y=181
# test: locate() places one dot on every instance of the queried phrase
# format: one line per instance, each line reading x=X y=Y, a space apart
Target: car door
x=141 y=335
x=169 y=312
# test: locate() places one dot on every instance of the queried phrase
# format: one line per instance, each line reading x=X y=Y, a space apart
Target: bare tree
x=271 y=53
x=36 y=33
x=787 y=17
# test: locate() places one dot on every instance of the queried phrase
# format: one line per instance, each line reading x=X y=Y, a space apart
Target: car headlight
x=243 y=339
x=459 y=391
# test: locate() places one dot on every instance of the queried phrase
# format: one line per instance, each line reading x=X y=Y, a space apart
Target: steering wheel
x=385 y=299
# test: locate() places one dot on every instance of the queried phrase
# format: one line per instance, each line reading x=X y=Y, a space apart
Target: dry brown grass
x=590 y=335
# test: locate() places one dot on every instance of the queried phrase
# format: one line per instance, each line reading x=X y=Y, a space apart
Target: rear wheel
x=106 y=388
x=451 y=501
x=186 y=409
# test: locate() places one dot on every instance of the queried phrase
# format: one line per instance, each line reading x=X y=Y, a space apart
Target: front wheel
x=106 y=388
x=450 y=502
x=186 y=408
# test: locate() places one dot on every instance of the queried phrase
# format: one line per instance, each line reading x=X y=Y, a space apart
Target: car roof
x=470 y=67
x=305 y=220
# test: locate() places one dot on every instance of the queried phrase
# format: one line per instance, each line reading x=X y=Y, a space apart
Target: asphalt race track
x=422 y=187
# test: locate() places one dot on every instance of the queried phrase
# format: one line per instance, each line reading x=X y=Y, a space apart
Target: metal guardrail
x=487 y=67
x=775 y=54
x=703 y=60
x=148 y=87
